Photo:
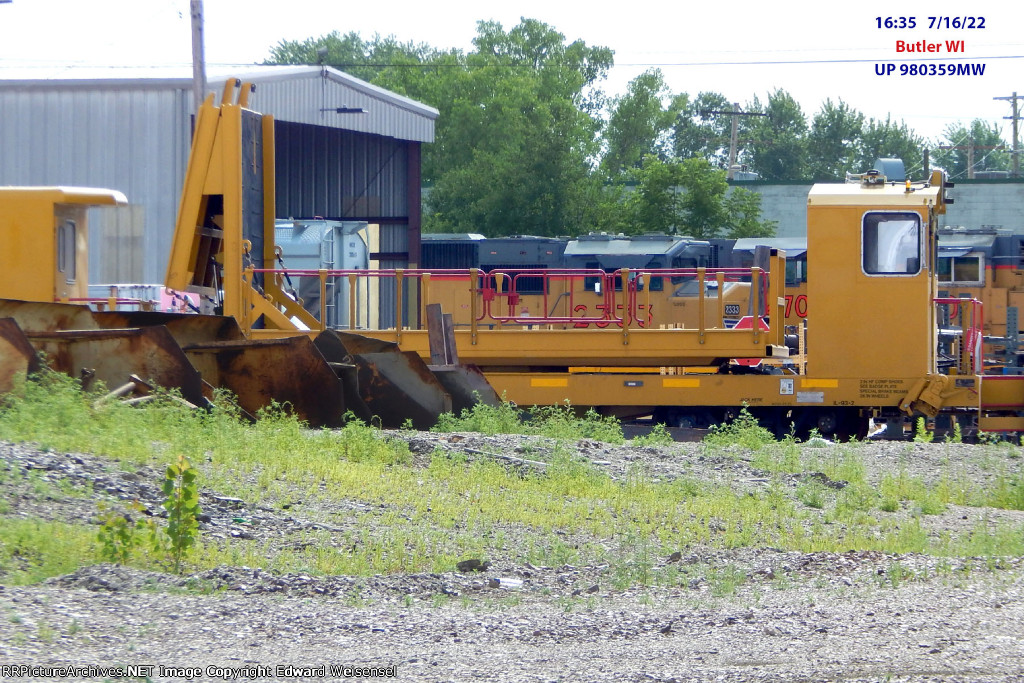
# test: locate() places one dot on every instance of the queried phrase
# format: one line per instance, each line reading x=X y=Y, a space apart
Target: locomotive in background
x=985 y=263
x=574 y=268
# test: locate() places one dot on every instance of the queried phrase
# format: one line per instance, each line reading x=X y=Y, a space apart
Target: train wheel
x=686 y=418
x=827 y=423
x=840 y=424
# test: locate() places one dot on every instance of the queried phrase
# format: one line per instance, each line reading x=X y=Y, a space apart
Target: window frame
x=878 y=217
x=978 y=256
x=67 y=258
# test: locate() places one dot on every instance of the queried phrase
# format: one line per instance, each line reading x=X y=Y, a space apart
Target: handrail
x=512 y=293
x=110 y=303
x=971 y=315
x=625 y=293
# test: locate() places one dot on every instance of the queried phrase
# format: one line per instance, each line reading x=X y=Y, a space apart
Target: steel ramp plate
x=18 y=358
x=349 y=376
x=395 y=386
x=289 y=371
x=33 y=316
x=114 y=355
x=466 y=385
x=186 y=328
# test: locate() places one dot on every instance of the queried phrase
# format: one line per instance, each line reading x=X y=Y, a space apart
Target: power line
x=772 y=62
x=514 y=65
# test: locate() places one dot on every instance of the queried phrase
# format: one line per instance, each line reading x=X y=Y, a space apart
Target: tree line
x=527 y=142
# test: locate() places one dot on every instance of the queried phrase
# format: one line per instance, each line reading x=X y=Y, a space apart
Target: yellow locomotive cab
x=45 y=234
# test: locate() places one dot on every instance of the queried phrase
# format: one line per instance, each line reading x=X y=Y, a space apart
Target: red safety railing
x=496 y=295
x=641 y=280
x=970 y=315
x=499 y=285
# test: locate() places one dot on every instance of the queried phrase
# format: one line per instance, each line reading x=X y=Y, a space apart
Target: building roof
x=300 y=94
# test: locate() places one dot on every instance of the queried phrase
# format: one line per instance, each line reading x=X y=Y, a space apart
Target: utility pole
x=1016 y=144
x=198 y=60
x=970 y=147
x=734 y=137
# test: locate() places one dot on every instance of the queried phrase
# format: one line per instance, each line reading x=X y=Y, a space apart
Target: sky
x=813 y=50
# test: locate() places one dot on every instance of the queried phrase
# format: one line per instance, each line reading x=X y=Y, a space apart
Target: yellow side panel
x=681 y=383
x=545 y=382
x=819 y=383
x=1001 y=424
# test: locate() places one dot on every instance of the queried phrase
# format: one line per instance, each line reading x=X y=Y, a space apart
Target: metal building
x=346 y=150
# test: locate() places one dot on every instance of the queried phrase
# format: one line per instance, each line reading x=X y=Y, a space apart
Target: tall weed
x=744 y=431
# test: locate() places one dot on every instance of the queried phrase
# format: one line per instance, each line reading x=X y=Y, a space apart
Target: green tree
x=702 y=204
x=777 y=143
x=350 y=53
x=951 y=153
x=700 y=133
x=521 y=135
x=833 y=141
x=640 y=123
x=655 y=205
x=518 y=125
x=692 y=197
x=889 y=139
x=743 y=215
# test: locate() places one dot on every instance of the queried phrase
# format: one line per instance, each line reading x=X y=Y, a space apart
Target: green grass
x=424 y=519
x=32 y=550
x=557 y=421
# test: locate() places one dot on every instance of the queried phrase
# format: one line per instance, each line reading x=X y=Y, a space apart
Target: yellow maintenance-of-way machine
x=871 y=351
x=872 y=348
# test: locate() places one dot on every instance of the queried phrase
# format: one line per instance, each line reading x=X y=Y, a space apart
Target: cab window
x=961 y=270
x=66 y=257
x=891 y=243
x=796 y=272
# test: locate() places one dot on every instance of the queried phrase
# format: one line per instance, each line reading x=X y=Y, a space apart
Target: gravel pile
x=791 y=617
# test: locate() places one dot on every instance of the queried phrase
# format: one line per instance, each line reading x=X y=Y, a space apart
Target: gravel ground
x=792 y=617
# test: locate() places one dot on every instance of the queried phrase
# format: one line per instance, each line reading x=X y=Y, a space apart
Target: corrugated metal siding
x=394 y=239
x=339 y=174
x=134 y=134
x=135 y=141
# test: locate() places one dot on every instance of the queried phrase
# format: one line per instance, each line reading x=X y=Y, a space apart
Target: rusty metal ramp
x=396 y=386
x=47 y=317
x=290 y=372
x=18 y=358
x=114 y=355
x=466 y=385
x=186 y=328
x=319 y=381
x=190 y=353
